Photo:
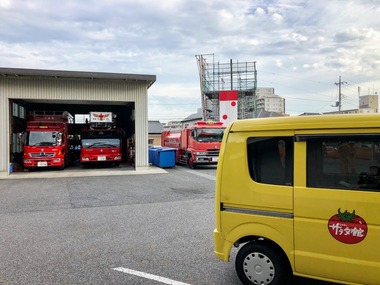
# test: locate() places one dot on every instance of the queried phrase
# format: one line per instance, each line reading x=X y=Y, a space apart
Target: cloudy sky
x=300 y=47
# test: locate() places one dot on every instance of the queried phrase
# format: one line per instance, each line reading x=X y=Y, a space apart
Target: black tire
x=262 y=264
x=190 y=162
x=66 y=162
x=63 y=166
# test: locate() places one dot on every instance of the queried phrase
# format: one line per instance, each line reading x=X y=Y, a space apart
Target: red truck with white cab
x=46 y=141
x=101 y=141
x=198 y=144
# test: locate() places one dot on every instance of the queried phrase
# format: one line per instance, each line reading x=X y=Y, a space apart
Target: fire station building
x=23 y=91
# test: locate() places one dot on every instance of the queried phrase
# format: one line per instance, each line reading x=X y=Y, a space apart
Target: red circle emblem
x=347 y=227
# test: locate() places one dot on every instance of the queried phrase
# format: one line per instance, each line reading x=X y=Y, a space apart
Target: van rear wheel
x=260 y=263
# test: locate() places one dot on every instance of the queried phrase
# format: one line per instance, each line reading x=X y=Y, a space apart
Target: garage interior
x=124 y=120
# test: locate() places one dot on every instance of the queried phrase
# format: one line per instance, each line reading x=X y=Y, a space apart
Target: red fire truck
x=46 y=139
x=195 y=145
x=101 y=141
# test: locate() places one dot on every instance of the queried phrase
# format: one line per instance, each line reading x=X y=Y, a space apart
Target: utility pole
x=255 y=89
x=340 y=91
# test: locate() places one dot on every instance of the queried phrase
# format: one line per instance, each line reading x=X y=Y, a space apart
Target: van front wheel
x=259 y=263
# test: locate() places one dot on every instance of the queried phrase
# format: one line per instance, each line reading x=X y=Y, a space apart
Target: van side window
x=270 y=160
x=344 y=162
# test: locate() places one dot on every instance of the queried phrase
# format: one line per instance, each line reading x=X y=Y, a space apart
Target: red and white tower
x=228 y=109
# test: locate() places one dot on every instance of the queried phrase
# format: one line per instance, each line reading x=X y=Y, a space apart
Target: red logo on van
x=347 y=227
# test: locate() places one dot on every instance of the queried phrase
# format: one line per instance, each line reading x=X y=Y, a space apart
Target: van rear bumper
x=222 y=247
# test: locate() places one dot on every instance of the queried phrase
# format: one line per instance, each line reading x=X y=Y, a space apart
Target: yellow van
x=300 y=196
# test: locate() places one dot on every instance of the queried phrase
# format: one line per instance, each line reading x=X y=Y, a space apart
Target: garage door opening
x=123 y=116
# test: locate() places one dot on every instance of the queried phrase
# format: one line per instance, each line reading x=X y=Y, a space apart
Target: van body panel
x=222 y=246
x=317 y=252
x=324 y=122
x=276 y=229
x=327 y=219
x=219 y=173
x=240 y=189
x=275 y=233
x=272 y=201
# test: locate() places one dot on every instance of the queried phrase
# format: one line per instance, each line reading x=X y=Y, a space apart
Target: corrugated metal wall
x=75 y=90
x=4 y=131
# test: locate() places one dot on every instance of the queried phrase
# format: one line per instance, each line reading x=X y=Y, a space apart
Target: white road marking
x=211 y=177
x=149 y=276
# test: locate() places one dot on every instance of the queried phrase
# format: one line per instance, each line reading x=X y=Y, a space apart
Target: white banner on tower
x=228 y=101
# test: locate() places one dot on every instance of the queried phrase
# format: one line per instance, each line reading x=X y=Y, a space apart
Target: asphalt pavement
x=108 y=228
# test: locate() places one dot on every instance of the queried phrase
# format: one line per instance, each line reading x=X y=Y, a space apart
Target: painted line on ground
x=149 y=276
x=211 y=177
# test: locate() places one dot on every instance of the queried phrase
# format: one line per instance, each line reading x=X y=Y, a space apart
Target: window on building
x=344 y=162
x=271 y=160
x=22 y=112
x=15 y=109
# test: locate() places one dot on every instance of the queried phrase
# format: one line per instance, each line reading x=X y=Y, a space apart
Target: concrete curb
x=68 y=173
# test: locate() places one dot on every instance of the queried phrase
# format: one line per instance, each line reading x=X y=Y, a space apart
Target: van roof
x=308 y=122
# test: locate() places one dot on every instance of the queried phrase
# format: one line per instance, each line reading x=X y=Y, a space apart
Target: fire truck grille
x=213 y=152
x=41 y=154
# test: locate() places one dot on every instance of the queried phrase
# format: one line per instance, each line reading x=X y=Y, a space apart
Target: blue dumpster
x=162 y=156
x=153 y=155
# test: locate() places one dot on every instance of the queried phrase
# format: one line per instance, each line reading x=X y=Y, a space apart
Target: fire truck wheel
x=62 y=167
x=190 y=162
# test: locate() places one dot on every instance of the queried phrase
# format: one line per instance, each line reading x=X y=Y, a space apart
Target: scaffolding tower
x=215 y=77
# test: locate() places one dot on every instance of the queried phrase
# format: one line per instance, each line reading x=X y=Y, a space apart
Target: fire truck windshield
x=209 y=135
x=43 y=138
x=100 y=143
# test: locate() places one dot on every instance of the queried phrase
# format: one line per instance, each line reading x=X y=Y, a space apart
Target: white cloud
x=295 y=37
x=5 y=3
x=277 y=18
x=301 y=47
x=260 y=12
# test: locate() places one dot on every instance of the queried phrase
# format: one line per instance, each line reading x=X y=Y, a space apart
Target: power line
x=171 y=104
x=306 y=92
x=295 y=77
x=305 y=99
